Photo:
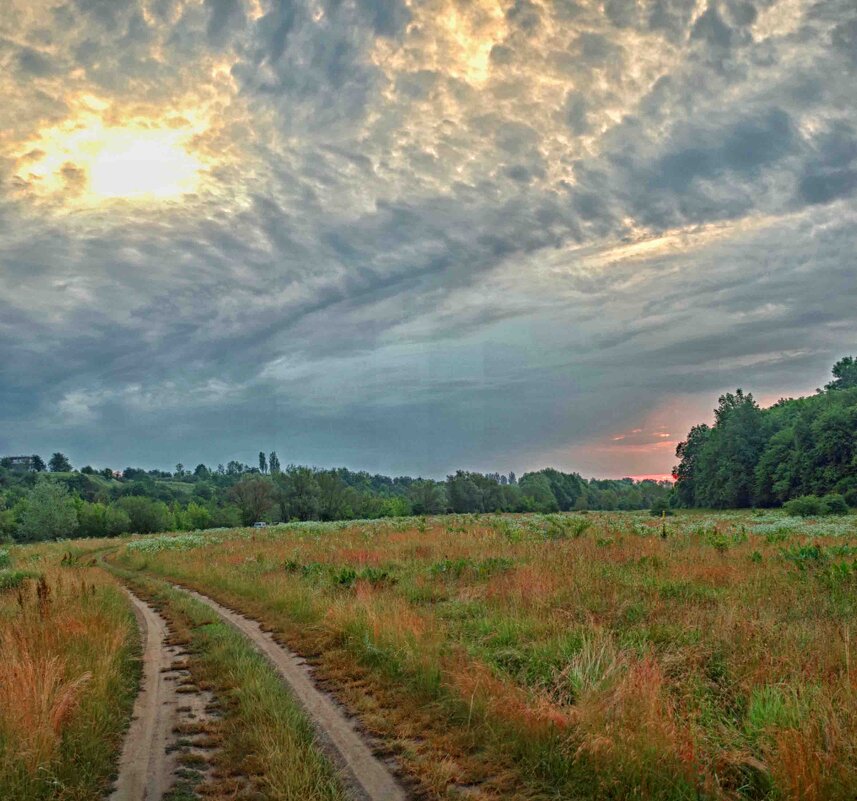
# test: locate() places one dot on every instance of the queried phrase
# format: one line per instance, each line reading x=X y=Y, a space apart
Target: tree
x=197 y=516
x=298 y=493
x=254 y=497
x=463 y=493
x=49 y=512
x=844 y=374
x=727 y=461
x=427 y=497
x=201 y=471
x=38 y=464
x=536 y=493
x=685 y=472
x=59 y=463
x=273 y=463
x=179 y=470
x=263 y=464
x=335 y=497
x=146 y=515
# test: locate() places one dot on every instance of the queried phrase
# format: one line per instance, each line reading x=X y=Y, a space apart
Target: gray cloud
x=421 y=246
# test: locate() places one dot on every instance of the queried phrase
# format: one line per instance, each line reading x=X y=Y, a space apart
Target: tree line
x=39 y=503
x=799 y=448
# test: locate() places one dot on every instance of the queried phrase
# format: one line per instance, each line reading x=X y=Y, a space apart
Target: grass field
x=69 y=671
x=67 y=676
x=577 y=656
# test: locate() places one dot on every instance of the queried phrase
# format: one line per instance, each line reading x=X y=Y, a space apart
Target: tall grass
x=535 y=655
x=67 y=677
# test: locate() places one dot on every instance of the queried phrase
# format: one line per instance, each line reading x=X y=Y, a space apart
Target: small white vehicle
x=260 y=524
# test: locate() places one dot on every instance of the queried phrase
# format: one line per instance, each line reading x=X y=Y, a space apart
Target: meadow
x=599 y=655
x=68 y=674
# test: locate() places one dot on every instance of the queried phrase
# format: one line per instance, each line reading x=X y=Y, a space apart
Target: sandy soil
x=167 y=707
x=146 y=770
x=365 y=775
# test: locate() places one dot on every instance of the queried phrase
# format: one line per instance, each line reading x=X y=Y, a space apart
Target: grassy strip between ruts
x=264 y=737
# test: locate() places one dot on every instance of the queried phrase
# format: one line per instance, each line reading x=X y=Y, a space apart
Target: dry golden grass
x=66 y=680
x=519 y=657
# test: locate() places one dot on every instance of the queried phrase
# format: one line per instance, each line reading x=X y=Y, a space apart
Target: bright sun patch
x=86 y=161
x=134 y=165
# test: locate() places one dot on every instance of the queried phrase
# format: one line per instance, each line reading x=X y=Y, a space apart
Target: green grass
x=265 y=734
x=538 y=657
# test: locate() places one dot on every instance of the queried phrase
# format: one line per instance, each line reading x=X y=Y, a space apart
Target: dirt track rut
x=366 y=777
x=146 y=770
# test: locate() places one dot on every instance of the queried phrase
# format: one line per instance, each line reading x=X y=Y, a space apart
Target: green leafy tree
x=427 y=497
x=536 y=493
x=254 y=496
x=116 y=521
x=59 y=463
x=197 y=516
x=39 y=465
x=298 y=493
x=687 y=470
x=273 y=463
x=49 y=512
x=727 y=461
x=263 y=462
x=145 y=515
x=464 y=493
x=844 y=374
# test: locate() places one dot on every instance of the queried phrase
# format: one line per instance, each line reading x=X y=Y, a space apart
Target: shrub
x=813 y=506
x=834 y=505
x=804 y=506
x=12 y=579
x=660 y=507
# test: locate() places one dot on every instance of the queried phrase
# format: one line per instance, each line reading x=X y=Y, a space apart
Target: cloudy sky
x=414 y=235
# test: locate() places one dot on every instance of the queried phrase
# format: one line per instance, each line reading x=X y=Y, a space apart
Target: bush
x=851 y=498
x=661 y=507
x=813 y=506
x=804 y=506
x=834 y=505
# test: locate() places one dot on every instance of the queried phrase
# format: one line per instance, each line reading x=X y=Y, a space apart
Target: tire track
x=146 y=770
x=366 y=777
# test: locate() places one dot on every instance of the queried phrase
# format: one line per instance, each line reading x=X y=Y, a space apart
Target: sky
x=411 y=236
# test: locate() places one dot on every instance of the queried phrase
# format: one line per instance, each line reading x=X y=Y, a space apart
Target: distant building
x=21 y=464
x=118 y=474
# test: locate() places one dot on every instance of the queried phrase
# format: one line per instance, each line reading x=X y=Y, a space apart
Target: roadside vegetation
x=266 y=748
x=68 y=674
x=599 y=655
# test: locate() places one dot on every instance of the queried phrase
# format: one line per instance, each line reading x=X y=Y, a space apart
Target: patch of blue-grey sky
x=429 y=234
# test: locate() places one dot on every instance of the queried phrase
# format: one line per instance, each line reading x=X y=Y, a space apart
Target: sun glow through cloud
x=131 y=165
x=87 y=161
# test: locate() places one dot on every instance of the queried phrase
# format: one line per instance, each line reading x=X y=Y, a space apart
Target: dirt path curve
x=366 y=777
x=146 y=771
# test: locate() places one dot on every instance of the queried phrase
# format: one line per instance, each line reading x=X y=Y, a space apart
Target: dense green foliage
x=36 y=505
x=769 y=457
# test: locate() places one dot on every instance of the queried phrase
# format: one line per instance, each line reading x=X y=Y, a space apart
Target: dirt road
x=146 y=770
x=365 y=776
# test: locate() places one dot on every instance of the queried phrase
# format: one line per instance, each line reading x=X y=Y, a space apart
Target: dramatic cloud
x=412 y=235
